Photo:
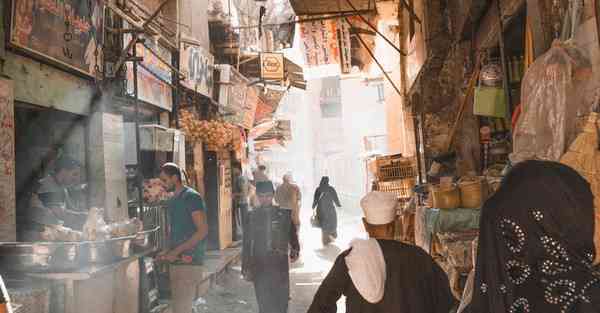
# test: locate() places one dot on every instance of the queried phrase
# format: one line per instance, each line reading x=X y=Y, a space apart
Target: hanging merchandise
x=584 y=157
x=552 y=99
x=489 y=101
x=491 y=75
x=215 y=134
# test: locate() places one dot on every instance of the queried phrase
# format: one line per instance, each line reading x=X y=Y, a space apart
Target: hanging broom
x=584 y=157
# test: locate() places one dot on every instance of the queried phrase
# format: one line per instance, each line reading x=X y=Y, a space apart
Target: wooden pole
x=505 y=81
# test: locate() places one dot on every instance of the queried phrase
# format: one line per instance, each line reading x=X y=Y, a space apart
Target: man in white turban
x=382 y=275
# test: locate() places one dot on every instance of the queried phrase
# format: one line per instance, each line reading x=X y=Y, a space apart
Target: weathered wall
x=194 y=21
x=47 y=86
x=106 y=168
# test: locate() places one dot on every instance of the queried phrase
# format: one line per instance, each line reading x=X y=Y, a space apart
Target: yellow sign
x=271 y=66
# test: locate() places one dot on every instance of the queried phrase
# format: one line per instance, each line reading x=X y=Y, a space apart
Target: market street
x=235 y=295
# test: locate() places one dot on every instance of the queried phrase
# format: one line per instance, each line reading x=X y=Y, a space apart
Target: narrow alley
x=224 y=156
x=233 y=294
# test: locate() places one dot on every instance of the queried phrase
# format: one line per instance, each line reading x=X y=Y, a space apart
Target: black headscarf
x=324 y=181
x=536 y=244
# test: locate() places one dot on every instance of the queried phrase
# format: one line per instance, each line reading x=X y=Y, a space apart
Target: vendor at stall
x=51 y=203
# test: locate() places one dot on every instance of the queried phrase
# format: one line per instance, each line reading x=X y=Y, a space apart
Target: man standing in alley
x=383 y=275
x=270 y=242
x=188 y=231
x=288 y=196
x=260 y=175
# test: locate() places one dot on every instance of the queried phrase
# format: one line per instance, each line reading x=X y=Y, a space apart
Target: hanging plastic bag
x=552 y=99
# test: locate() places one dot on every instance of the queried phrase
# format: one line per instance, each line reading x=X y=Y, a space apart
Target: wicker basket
x=471 y=193
x=445 y=198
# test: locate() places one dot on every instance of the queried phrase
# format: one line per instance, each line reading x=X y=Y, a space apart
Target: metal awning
x=314 y=7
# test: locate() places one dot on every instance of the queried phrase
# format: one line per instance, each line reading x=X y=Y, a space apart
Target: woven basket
x=445 y=198
x=471 y=193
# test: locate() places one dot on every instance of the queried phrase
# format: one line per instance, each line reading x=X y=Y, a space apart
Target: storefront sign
x=233 y=89
x=7 y=159
x=320 y=41
x=345 y=48
x=197 y=65
x=154 y=76
x=271 y=66
x=252 y=99
x=66 y=32
x=267 y=105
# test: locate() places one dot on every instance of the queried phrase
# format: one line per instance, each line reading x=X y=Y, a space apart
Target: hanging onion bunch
x=216 y=134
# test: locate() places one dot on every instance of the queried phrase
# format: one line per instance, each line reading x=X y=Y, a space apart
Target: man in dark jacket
x=382 y=275
x=266 y=253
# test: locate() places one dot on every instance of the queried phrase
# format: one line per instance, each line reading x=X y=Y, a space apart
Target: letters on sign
x=198 y=66
x=67 y=32
x=272 y=66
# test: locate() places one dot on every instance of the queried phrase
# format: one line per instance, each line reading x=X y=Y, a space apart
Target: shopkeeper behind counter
x=51 y=203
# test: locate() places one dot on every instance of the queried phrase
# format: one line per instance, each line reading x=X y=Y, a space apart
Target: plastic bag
x=95 y=228
x=552 y=99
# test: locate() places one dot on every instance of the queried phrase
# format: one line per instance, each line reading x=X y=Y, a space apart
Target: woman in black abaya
x=325 y=201
x=536 y=244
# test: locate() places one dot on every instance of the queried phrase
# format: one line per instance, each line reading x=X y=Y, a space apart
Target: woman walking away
x=325 y=201
x=536 y=244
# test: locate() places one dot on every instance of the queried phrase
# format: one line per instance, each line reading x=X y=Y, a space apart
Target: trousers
x=272 y=288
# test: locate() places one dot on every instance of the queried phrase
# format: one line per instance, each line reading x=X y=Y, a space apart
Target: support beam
x=147 y=29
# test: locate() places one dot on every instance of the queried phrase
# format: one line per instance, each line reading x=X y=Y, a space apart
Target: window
x=380 y=92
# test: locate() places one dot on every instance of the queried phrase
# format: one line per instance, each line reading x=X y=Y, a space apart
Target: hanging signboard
x=68 y=32
x=233 y=89
x=271 y=66
x=345 y=47
x=320 y=41
x=154 y=76
x=7 y=161
x=267 y=105
x=247 y=118
x=197 y=65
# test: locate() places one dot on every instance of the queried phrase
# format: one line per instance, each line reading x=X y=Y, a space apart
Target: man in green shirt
x=188 y=231
x=187 y=218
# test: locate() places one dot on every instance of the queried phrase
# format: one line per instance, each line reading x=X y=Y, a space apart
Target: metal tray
x=61 y=256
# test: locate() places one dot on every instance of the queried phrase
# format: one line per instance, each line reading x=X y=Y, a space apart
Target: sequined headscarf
x=536 y=244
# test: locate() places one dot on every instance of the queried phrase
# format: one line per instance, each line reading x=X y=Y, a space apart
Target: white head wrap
x=366 y=267
x=379 y=207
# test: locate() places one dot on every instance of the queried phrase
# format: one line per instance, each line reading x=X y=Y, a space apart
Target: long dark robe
x=265 y=256
x=414 y=284
x=325 y=200
x=536 y=244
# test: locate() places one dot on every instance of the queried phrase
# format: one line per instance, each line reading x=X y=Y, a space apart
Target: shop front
x=64 y=156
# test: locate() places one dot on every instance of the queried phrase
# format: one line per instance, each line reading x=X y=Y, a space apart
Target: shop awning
x=313 y=7
x=281 y=130
x=261 y=129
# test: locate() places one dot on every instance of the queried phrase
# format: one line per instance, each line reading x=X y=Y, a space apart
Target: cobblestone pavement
x=232 y=294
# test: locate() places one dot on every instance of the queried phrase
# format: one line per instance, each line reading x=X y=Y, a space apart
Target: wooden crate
x=403 y=188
